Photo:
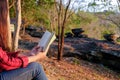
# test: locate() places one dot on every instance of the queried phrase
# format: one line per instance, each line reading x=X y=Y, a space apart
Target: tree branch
x=110 y=19
x=12 y=4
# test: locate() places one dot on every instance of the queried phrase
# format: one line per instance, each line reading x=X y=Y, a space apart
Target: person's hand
x=34 y=51
x=42 y=54
x=37 y=54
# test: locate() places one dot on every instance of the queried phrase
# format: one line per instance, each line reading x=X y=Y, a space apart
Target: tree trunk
x=9 y=31
x=59 y=30
x=17 y=25
x=62 y=30
x=61 y=25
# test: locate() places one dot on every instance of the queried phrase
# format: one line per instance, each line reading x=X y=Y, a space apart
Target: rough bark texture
x=18 y=24
x=59 y=28
x=9 y=32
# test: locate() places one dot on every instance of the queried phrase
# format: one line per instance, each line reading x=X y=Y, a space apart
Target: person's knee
x=38 y=71
x=35 y=65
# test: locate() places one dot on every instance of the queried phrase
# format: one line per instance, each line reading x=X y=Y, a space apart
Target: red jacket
x=9 y=61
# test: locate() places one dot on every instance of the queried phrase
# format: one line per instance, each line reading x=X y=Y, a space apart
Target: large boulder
x=77 y=31
x=35 y=31
x=69 y=35
x=111 y=37
x=99 y=51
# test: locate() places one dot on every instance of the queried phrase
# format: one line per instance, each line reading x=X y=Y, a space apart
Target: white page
x=44 y=40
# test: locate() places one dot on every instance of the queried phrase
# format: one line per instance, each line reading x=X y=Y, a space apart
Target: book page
x=46 y=40
x=53 y=37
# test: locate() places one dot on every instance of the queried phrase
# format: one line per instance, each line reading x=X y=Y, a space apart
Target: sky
x=101 y=6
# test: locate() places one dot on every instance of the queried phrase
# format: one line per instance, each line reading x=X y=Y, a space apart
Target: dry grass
x=69 y=70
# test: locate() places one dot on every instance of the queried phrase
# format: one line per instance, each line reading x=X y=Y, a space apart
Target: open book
x=46 y=40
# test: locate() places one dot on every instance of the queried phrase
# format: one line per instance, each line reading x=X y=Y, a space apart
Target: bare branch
x=118 y=3
x=72 y=8
x=56 y=5
x=12 y=4
x=66 y=10
x=116 y=22
x=70 y=14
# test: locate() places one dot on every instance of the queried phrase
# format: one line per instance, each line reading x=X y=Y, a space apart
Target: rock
x=77 y=31
x=35 y=31
x=94 y=50
x=82 y=36
x=69 y=35
x=111 y=37
x=36 y=34
x=99 y=51
x=34 y=28
x=26 y=44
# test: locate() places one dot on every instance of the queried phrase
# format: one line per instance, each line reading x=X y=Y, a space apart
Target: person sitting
x=12 y=65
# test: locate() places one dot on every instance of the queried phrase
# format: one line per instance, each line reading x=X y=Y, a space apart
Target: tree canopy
x=43 y=13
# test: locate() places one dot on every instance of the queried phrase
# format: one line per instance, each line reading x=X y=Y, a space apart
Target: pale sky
x=101 y=6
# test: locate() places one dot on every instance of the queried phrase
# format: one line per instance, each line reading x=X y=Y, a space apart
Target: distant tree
x=48 y=8
x=64 y=12
x=109 y=13
x=118 y=2
x=92 y=5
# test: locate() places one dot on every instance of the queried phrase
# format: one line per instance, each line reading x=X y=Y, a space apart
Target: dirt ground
x=71 y=68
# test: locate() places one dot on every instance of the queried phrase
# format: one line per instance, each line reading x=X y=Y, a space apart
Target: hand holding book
x=44 y=43
x=46 y=40
x=37 y=55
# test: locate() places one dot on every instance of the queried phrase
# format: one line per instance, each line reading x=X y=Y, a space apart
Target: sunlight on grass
x=62 y=78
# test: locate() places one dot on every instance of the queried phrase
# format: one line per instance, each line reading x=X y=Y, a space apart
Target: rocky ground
x=70 y=68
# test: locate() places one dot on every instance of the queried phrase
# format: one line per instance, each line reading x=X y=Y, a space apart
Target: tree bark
x=59 y=29
x=62 y=30
x=9 y=31
x=61 y=25
x=17 y=25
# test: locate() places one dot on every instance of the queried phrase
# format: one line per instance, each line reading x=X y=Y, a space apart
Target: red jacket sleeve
x=14 y=54
x=8 y=62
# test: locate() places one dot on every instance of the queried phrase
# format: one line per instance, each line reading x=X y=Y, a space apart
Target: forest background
x=42 y=13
